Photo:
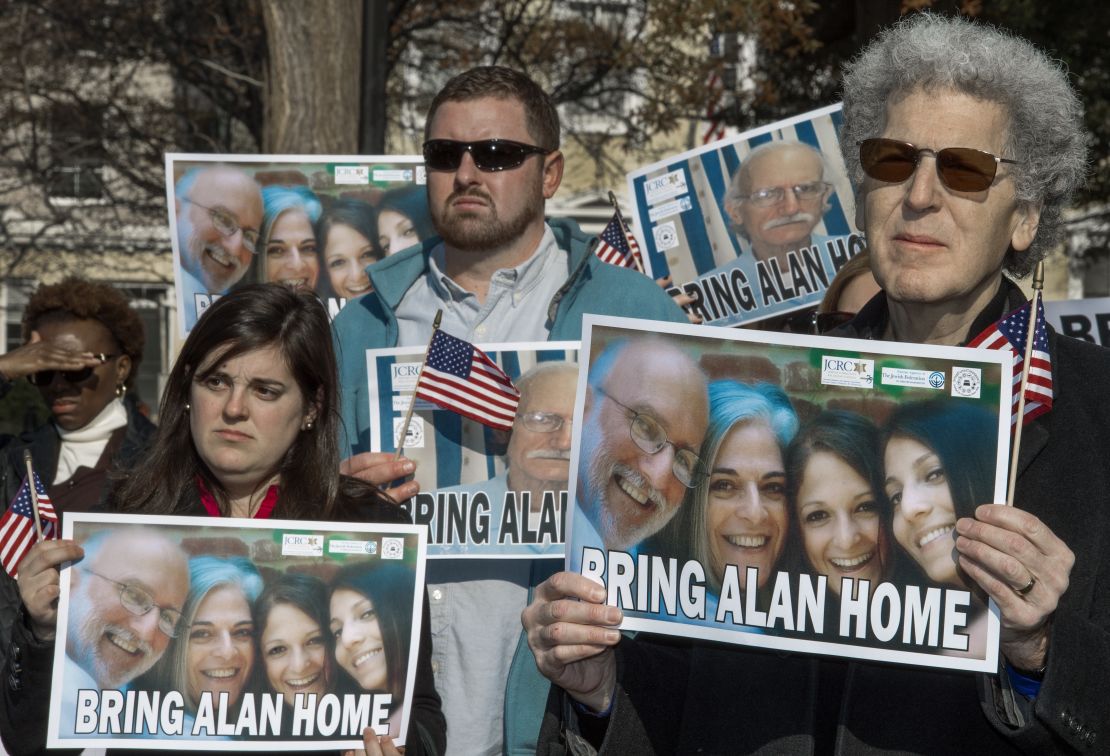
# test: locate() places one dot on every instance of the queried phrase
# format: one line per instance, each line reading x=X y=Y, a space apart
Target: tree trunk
x=312 y=83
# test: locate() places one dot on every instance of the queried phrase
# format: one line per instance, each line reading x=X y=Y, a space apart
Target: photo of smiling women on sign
x=938 y=465
x=222 y=633
x=804 y=509
x=308 y=222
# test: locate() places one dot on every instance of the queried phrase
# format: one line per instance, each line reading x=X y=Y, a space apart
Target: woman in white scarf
x=83 y=342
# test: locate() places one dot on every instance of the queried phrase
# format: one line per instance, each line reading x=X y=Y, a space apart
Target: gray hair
x=731 y=404
x=539 y=370
x=930 y=52
x=206 y=574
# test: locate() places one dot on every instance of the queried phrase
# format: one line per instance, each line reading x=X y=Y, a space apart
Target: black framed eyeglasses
x=961 y=169
x=771 y=196
x=224 y=221
x=137 y=601
x=647 y=433
x=487 y=154
x=80 y=375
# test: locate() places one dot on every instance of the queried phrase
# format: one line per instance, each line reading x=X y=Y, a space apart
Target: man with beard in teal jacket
x=500 y=273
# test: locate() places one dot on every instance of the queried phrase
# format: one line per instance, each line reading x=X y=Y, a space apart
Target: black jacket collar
x=872 y=320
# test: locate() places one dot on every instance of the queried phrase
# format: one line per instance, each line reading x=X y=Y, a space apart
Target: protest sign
x=1087 y=319
x=752 y=226
x=259 y=635
x=787 y=492
x=483 y=493
x=307 y=221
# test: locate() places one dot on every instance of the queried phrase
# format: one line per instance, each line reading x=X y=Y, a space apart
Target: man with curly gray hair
x=966 y=143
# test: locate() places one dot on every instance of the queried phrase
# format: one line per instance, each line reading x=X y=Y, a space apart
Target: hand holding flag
x=19 y=528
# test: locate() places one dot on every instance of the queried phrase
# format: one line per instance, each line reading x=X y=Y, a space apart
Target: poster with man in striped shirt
x=753 y=226
x=492 y=484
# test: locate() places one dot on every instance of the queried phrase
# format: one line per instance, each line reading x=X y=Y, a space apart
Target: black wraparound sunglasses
x=46 y=377
x=487 y=154
x=961 y=169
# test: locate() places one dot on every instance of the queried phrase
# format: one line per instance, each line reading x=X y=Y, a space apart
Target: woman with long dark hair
x=348 y=243
x=840 y=512
x=939 y=461
x=370 y=618
x=291 y=617
x=250 y=428
x=251 y=408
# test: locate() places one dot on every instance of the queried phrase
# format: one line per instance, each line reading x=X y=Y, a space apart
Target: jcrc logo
x=846 y=371
x=304 y=540
x=841 y=365
x=302 y=544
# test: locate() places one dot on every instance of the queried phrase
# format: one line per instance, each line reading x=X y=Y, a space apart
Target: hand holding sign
x=1024 y=567
x=572 y=634
x=379 y=468
x=376 y=745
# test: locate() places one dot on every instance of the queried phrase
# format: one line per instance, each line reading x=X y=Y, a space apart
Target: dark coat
x=677 y=697
x=124 y=449
x=26 y=674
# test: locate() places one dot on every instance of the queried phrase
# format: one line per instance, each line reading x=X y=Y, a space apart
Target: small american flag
x=1010 y=333
x=17 y=526
x=618 y=247
x=458 y=376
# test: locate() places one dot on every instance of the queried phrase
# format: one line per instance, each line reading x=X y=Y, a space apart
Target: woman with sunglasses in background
x=83 y=343
x=249 y=429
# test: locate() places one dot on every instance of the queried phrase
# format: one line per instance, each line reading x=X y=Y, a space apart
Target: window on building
x=77 y=152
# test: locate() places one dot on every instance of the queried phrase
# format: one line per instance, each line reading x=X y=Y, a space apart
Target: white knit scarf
x=83 y=447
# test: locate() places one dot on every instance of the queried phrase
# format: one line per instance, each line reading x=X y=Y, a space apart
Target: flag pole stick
x=1038 y=284
x=34 y=494
x=620 y=220
x=412 y=400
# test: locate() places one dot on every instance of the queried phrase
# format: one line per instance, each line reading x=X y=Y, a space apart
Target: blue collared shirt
x=515 y=308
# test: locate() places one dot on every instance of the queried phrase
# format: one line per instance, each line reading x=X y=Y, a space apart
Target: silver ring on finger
x=1024 y=590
